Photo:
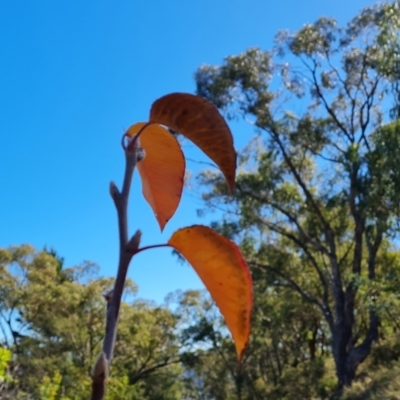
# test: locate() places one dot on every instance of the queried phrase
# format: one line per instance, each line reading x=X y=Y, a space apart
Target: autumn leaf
x=221 y=267
x=198 y=120
x=161 y=171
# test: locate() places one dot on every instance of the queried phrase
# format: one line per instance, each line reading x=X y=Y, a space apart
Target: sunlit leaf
x=161 y=171
x=198 y=120
x=221 y=267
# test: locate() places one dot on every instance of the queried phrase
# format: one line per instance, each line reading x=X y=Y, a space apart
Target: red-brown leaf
x=198 y=120
x=161 y=171
x=221 y=267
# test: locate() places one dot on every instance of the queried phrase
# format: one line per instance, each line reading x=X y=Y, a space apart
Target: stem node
x=134 y=242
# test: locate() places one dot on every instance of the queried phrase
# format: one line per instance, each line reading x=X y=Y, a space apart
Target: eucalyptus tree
x=316 y=199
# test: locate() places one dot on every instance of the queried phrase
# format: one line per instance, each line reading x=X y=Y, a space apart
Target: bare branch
x=328 y=230
x=154 y=368
x=325 y=103
x=113 y=304
x=293 y=285
x=314 y=242
x=368 y=104
x=308 y=239
x=345 y=86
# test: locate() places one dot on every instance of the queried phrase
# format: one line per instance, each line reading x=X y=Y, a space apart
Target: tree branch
x=315 y=243
x=328 y=230
x=125 y=255
x=154 y=368
x=330 y=236
x=326 y=105
x=293 y=285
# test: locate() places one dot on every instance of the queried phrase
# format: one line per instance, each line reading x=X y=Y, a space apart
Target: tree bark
x=348 y=358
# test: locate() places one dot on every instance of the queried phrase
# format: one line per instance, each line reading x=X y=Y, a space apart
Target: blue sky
x=73 y=75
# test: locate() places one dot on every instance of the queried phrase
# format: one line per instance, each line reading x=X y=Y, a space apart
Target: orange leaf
x=221 y=267
x=161 y=171
x=198 y=120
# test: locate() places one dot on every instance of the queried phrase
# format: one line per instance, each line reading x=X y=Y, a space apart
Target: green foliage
x=52 y=321
x=50 y=387
x=5 y=357
x=316 y=213
x=316 y=201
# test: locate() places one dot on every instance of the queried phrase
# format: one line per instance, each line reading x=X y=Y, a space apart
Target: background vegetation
x=316 y=212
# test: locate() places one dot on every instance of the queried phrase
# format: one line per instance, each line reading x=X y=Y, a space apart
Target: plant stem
x=152 y=246
x=100 y=371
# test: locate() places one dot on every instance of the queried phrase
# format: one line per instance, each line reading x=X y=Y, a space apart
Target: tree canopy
x=316 y=204
x=316 y=212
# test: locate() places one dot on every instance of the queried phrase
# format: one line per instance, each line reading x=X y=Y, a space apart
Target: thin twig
x=127 y=249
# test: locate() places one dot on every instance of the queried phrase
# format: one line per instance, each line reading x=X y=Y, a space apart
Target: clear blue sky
x=73 y=73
